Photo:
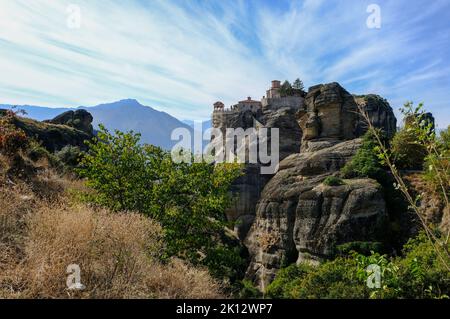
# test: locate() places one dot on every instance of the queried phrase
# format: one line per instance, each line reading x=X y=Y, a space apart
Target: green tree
x=286 y=89
x=298 y=85
x=187 y=199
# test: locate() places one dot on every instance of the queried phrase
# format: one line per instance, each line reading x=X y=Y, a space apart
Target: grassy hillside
x=45 y=227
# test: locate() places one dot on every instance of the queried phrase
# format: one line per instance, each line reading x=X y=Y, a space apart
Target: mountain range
x=154 y=126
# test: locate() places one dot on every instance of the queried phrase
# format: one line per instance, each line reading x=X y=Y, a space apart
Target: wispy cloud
x=180 y=57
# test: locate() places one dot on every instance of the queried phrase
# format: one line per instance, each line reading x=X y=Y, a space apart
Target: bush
x=333 y=181
x=333 y=279
x=419 y=273
x=437 y=165
x=286 y=279
x=407 y=153
x=70 y=156
x=365 y=163
x=409 y=147
x=12 y=139
x=36 y=152
x=361 y=247
x=247 y=290
x=187 y=199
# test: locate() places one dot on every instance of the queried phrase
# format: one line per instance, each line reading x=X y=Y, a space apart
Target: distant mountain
x=125 y=115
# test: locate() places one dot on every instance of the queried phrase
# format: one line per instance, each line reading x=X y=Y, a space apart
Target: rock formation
x=305 y=219
x=293 y=216
x=79 y=119
x=70 y=128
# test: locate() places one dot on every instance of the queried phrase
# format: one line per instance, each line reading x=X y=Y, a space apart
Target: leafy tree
x=286 y=89
x=298 y=85
x=187 y=199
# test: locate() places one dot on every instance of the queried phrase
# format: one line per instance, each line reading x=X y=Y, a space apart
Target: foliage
x=437 y=164
x=286 y=89
x=35 y=151
x=286 y=280
x=334 y=279
x=416 y=274
x=69 y=155
x=118 y=253
x=298 y=85
x=365 y=163
x=408 y=149
x=361 y=247
x=187 y=199
x=423 y=129
x=247 y=290
x=12 y=139
x=333 y=181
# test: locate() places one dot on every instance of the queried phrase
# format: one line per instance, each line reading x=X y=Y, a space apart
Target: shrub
x=36 y=151
x=422 y=273
x=361 y=247
x=333 y=279
x=247 y=290
x=419 y=273
x=12 y=139
x=70 y=156
x=365 y=163
x=187 y=199
x=437 y=165
x=333 y=181
x=408 y=147
x=407 y=153
x=286 y=279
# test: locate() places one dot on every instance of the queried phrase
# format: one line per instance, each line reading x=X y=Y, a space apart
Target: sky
x=182 y=56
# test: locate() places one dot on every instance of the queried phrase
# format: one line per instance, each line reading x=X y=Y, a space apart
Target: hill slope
x=154 y=126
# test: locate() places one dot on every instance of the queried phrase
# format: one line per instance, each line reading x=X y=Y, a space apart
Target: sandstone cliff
x=292 y=216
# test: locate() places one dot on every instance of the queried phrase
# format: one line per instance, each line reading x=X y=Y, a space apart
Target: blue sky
x=182 y=56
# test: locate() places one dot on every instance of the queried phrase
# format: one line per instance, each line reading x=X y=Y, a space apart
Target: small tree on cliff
x=286 y=89
x=298 y=85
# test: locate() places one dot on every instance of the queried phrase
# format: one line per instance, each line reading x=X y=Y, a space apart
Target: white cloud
x=181 y=59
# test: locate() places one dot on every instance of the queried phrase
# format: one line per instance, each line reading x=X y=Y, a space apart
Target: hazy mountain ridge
x=125 y=115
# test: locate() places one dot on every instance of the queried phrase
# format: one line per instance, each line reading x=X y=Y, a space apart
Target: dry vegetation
x=43 y=230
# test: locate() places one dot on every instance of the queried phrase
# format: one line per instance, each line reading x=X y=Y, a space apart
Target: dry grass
x=42 y=232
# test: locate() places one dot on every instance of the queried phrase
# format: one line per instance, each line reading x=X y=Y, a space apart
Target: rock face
x=247 y=189
x=331 y=114
x=55 y=136
x=380 y=113
x=79 y=119
x=292 y=216
x=299 y=218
